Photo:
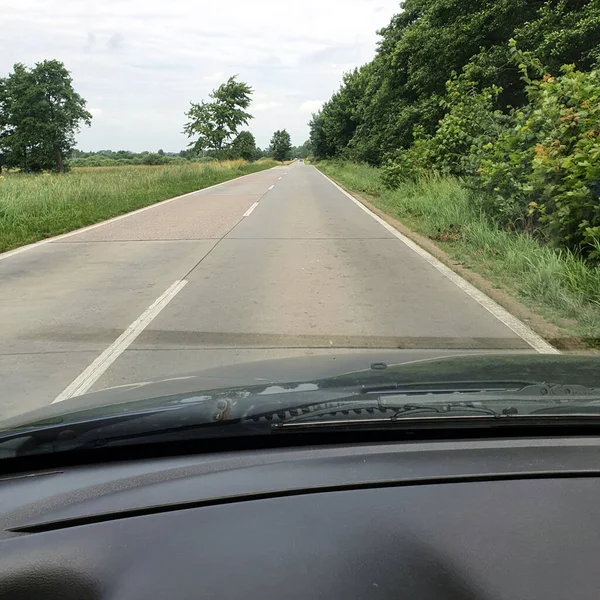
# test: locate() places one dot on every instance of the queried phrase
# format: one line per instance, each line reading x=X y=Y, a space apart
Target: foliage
x=215 y=123
x=318 y=140
x=301 y=151
x=470 y=123
x=109 y=158
x=545 y=167
x=280 y=147
x=33 y=207
x=378 y=106
x=40 y=113
x=244 y=146
x=538 y=165
x=260 y=153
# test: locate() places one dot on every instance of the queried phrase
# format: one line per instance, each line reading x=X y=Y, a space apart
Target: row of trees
x=380 y=104
x=215 y=127
x=504 y=95
x=40 y=113
x=243 y=147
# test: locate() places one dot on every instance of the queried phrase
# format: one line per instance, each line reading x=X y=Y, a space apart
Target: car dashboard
x=472 y=519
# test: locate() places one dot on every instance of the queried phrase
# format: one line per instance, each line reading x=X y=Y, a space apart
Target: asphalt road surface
x=275 y=264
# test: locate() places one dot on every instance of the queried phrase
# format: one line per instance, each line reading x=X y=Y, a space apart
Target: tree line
x=504 y=95
x=40 y=114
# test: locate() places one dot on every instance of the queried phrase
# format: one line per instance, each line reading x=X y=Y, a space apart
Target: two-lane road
x=277 y=263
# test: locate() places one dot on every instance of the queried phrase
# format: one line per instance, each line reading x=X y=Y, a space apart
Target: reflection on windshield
x=278 y=389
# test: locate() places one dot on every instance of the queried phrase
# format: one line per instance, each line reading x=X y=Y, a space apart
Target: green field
x=34 y=207
x=555 y=284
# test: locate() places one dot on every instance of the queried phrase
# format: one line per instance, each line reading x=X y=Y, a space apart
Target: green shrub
x=470 y=123
x=544 y=170
x=537 y=166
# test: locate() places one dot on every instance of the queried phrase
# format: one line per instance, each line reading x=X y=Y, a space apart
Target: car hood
x=323 y=373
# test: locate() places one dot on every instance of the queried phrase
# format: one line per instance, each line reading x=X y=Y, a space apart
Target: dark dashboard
x=478 y=519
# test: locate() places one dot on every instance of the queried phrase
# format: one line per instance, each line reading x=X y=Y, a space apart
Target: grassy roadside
x=34 y=207
x=556 y=285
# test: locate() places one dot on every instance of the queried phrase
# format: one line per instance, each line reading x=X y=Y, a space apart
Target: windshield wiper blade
x=355 y=413
x=448 y=387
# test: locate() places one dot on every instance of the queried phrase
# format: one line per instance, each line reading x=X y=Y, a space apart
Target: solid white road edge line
x=88 y=377
x=523 y=331
x=249 y=211
x=62 y=236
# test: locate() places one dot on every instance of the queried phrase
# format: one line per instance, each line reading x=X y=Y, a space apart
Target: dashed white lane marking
x=271 y=187
x=88 y=377
x=525 y=333
x=249 y=211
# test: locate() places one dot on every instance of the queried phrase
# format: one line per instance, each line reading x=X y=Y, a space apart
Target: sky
x=139 y=63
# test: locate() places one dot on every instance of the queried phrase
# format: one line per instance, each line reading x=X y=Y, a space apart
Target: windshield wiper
x=438 y=405
x=448 y=387
x=368 y=414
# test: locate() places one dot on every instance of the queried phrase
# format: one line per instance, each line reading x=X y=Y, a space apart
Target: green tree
x=281 y=145
x=40 y=113
x=301 y=151
x=244 y=146
x=215 y=123
x=379 y=105
x=260 y=153
x=318 y=140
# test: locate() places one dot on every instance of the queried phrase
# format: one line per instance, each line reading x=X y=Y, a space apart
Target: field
x=555 y=284
x=33 y=207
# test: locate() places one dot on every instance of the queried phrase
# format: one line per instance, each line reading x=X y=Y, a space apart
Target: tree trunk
x=59 y=161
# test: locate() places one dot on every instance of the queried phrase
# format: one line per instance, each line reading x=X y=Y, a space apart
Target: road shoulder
x=554 y=335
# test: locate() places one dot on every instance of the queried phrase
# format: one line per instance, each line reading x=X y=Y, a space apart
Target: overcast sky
x=138 y=63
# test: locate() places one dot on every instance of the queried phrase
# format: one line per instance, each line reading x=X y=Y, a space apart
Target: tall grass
x=33 y=207
x=557 y=283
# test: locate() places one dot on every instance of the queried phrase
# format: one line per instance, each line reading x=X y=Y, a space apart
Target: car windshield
x=296 y=215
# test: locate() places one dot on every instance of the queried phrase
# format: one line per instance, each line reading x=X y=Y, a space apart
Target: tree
x=215 y=123
x=281 y=145
x=302 y=151
x=318 y=140
x=161 y=152
x=244 y=146
x=378 y=107
x=260 y=153
x=40 y=113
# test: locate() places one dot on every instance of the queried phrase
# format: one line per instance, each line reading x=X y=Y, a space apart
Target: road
x=277 y=263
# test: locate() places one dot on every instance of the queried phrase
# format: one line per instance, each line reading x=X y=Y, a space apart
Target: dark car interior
x=451 y=517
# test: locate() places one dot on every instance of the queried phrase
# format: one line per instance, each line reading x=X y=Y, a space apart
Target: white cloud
x=310 y=106
x=134 y=57
x=261 y=106
x=115 y=42
x=95 y=112
x=214 y=77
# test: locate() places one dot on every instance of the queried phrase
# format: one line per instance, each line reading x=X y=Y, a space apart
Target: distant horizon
x=139 y=65
x=163 y=149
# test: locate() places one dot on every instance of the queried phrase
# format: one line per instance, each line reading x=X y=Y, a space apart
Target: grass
x=33 y=207
x=555 y=284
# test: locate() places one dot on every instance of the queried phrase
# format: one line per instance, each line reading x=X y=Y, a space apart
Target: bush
x=470 y=123
x=537 y=166
x=544 y=169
